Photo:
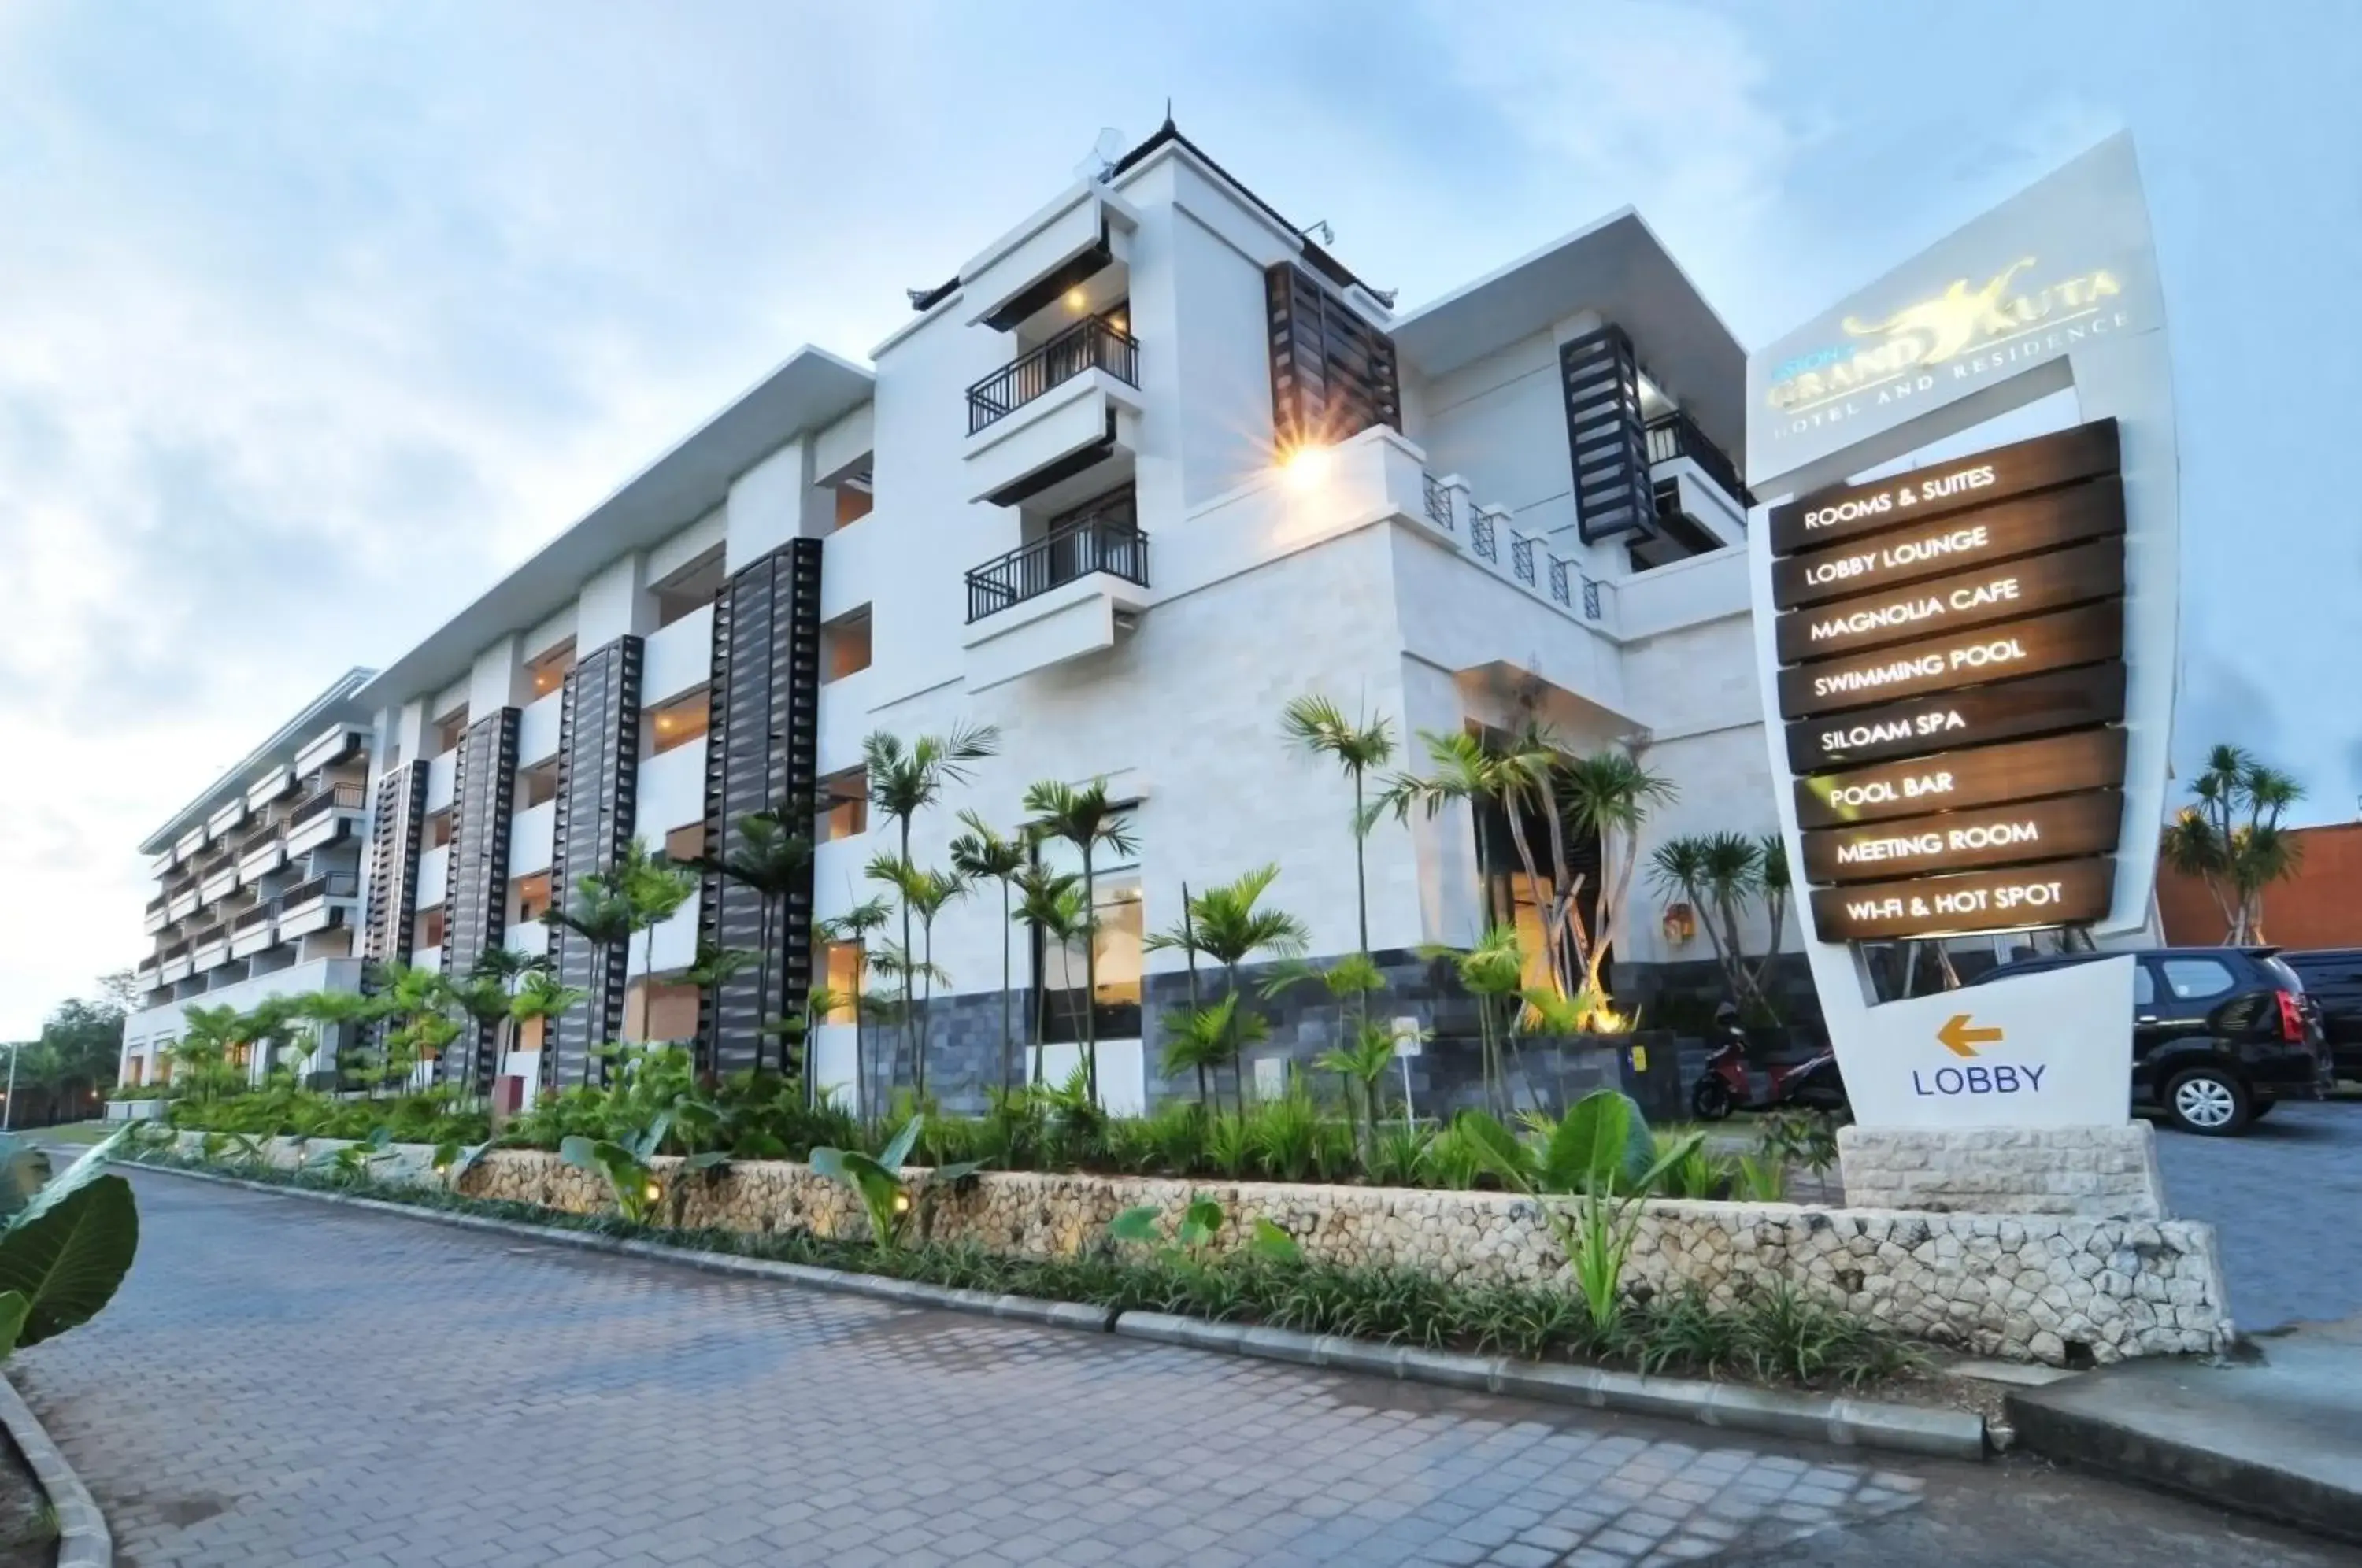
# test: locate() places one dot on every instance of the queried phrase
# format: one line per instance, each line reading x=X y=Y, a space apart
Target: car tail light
x=2292 y=1017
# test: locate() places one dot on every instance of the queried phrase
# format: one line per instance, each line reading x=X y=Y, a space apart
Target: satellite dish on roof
x=1100 y=162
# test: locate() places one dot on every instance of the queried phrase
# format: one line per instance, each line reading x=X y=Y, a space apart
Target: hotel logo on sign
x=1968 y=329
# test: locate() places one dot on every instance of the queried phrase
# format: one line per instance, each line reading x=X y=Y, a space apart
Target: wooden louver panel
x=390 y=908
x=1607 y=437
x=476 y=900
x=597 y=783
x=1332 y=373
x=762 y=751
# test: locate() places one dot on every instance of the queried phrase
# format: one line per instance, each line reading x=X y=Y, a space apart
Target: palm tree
x=1773 y=885
x=637 y=894
x=1228 y=927
x=327 y=1010
x=1465 y=770
x=854 y=925
x=772 y=861
x=905 y=780
x=483 y=996
x=708 y=972
x=1050 y=904
x=1609 y=793
x=982 y=854
x=1716 y=873
x=924 y=892
x=1086 y=819
x=1493 y=971
x=2231 y=839
x=1321 y=727
x=1529 y=763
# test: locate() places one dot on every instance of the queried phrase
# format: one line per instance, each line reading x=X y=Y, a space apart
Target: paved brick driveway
x=2284 y=1200
x=282 y=1382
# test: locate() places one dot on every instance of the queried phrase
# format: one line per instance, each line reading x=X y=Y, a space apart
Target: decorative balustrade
x=1107 y=542
x=1092 y=344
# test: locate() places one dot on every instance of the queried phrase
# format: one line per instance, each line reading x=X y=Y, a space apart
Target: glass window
x=2191 y=978
x=2144 y=986
x=450 y=730
x=844 y=806
x=1118 y=955
x=840 y=968
x=844 y=646
x=547 y=672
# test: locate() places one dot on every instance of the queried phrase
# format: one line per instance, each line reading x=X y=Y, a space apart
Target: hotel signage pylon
x=1967 y=666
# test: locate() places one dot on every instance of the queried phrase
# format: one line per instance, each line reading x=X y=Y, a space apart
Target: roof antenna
x=1099 y=163
x=1168 y=112
x=1328 y=236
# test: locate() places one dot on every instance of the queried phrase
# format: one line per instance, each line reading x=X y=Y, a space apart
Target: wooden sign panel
x=1962 y=541
x=1849 y=511
x=2009 y=710
x=2089 y=633
x=2056 y=829
x=2001 y=593
x=1955 y=780
x=2069 y=892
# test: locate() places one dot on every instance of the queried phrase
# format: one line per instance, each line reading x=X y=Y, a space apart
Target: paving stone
x=284 y=1383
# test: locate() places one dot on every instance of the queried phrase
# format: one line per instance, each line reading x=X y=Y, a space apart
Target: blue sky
x=293 y=300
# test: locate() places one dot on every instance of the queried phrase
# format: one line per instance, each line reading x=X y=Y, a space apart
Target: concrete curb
x=1849 y=1423
x=84 y=1540
x=1845 y=1422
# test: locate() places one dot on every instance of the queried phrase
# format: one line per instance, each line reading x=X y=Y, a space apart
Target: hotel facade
x=1148 y=467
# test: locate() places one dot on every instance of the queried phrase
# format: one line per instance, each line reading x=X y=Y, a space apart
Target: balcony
x=318 y=904
x=328 y=749
x=260 y=853
x=324 y=816
x=172 y=964
x=181 y=902
x=1094 y=344
x=218 y=879
x=1066 y=595
x=1701 y=504
x=1067 y=406
x=209 y=948
x=254 y=931
x=225 y=822
x=278 y=781
x=1676 y=436
x=158 y=917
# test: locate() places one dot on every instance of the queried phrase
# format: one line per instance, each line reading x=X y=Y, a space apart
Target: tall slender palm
x=1609 y=793
x=1465 y=771
x=635 y=895
x=1086 y=819
x=334 y=1016
x=904 y=780
x=1772 y=887
x=1321 y=727
x=540 y=1000
x=1050 y=904
x=1529 y=763
x=925 y=891
x=855 y=926
x=708 y=972
x=1492 y=971
x=983 y=853
x=1716 y=873
x=771 y=860
x=483 y=996
x=1228 y=926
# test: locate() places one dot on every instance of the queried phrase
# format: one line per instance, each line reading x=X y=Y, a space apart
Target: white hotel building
x=1055 y=501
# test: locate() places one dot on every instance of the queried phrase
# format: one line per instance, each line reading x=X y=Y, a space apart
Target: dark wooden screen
x=1332 y=373
x=392 y=907
x=476 y=896
x=597 y=783
x=761 y=751
x=1607 y=437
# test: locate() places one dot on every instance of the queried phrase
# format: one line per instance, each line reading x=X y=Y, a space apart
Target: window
x=839 y=963
x=438 y=829
x=678 y=722
x=430 y=928
x=853 y=500
x=844 y=806
x=2191 y=978
x=686 y=842
x=685 y=592
x=536 y=784
x=844 y=646
x=532 y=897
x=136 y=1069
x=1060 y=967
x=450 y=729
x=546 y=673
x=661 y=1011
x=2144 y=986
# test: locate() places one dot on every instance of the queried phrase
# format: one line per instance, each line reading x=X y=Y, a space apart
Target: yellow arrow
x=1956 y=1037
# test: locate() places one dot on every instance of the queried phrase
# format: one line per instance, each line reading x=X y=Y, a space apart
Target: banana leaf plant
x=628 y=1165
x=1195 y=1232
x=878 y=1180
x=64 y=1252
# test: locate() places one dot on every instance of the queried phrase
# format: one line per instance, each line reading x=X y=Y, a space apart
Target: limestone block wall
x=2052 y=1288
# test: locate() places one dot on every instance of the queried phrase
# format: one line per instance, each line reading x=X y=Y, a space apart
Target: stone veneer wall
x=2100 y=1173
x=2050 y=1288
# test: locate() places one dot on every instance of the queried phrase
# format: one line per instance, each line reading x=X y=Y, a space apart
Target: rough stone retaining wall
x=2100 y=1173
x=2051 y=1288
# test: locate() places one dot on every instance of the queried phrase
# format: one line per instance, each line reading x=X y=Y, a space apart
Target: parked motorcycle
x=1728 y=1084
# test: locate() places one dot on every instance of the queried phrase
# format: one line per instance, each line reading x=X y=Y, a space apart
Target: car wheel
x=1710 y=1100
x=2208 y=1101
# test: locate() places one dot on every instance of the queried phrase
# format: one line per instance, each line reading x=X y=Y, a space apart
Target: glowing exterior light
x=1078 y=300
x=901 y=1203
x=1306 y=467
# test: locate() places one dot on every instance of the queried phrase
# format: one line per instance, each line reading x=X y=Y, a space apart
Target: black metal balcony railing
x=347 y=796
x=257 y=839
x=1481 y=538
x=1092 y=344
x=1104 y=543
x=156 y=905
x=208 y=936
x=1674 y=435
x=1521 y=561
x=1439 y=504
x=327 y=884
x=178 y=950
x=246 y=920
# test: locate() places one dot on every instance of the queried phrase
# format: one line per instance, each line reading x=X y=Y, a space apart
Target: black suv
x=2332 y=979
x=2220 y=1035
